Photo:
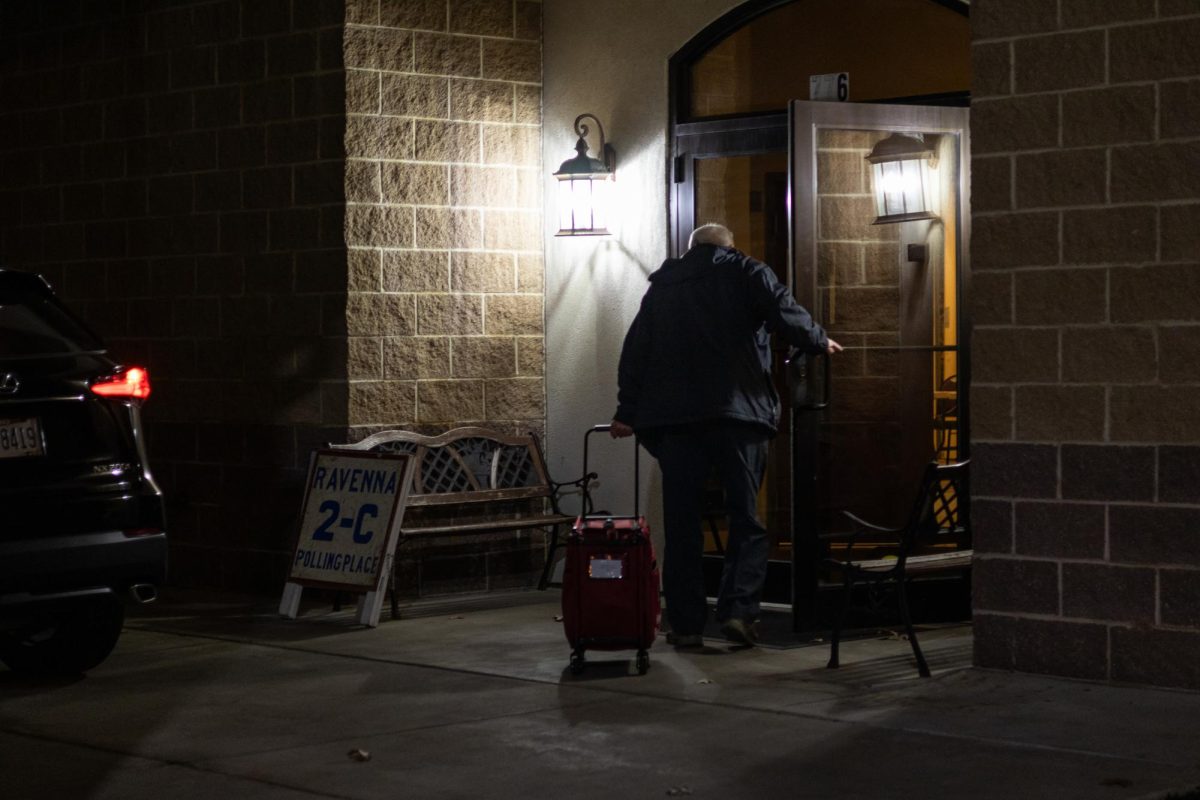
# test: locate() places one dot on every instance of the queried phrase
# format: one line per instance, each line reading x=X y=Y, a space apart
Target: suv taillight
x=131 y=382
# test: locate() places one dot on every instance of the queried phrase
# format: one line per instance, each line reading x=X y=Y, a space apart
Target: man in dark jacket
x=694 y=382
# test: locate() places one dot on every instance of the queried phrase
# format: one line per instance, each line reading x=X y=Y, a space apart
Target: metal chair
x=939 y=516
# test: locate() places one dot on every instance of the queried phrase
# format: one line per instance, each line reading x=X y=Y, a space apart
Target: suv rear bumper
x=38 y=569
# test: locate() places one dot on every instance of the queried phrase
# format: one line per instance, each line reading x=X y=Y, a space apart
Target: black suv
x=81 y=518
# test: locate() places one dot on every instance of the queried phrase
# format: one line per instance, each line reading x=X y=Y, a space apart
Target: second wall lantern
x=900 y=167
x=585 y=186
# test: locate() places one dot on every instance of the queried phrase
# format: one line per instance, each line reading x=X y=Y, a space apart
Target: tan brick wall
x=443 y=225
x=1086 y=385
x=176 y=170
x=309 y=218
x=443 y=230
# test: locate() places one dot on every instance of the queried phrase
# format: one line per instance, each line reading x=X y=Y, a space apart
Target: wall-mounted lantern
x=900 y=166
x=585 y=186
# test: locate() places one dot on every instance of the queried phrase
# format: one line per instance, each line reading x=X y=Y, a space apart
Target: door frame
x=753 y=133
x=774 y=133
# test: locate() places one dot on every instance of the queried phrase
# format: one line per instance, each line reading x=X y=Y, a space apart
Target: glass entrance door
x=748 y=193
x=798 y=193
x=865 y=424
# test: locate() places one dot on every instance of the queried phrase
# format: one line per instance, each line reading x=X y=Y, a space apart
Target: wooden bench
x=471 y=481
x=939 y=520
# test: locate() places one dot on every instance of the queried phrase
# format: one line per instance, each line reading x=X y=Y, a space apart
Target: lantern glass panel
x=582 y=205
x=601 y=193
x=902 y=188
x=911 y=180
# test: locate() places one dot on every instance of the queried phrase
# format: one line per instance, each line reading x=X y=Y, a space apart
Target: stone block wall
x=176 y=170
x=310 y=219
x=443 y=220
x=1086 y=354
x=443 y=227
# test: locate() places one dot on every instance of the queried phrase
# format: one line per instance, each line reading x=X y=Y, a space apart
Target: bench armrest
x=580 y=482
x=862 y=525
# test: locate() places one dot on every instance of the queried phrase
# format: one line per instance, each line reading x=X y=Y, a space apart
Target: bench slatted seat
x=939 y=516
x=473 y=480
x=924 y=563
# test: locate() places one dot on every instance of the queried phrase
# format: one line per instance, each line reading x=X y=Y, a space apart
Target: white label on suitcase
x=606 y=568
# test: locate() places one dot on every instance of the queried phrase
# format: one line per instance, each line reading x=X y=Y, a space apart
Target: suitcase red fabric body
x=610 y=587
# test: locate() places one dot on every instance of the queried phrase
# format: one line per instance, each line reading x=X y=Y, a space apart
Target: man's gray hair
x=712 y=233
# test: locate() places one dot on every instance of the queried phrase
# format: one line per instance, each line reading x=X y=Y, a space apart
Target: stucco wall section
x=594 y=284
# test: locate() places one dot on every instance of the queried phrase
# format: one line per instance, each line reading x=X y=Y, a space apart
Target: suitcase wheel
x=577 y=662
x=643 y=662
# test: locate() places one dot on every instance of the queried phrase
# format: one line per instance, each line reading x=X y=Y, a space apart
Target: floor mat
x=774 y=630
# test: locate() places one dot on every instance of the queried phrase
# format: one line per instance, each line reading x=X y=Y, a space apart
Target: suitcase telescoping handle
x=636 y=481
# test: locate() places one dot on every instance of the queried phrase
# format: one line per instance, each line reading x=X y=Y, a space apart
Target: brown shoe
x=685 y=639
x=740 y=631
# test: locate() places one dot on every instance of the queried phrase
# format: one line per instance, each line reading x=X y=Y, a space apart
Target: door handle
x=797 y=378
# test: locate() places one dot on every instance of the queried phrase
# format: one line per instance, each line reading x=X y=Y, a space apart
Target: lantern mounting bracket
x=608 y=156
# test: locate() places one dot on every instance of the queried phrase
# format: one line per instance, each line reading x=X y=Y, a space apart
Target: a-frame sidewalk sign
x=349 y=527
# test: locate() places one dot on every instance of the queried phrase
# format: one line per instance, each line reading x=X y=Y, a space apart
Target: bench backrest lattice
x=938 y=517
x=466 y=465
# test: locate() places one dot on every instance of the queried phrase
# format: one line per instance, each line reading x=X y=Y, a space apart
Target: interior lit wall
x=594 y=284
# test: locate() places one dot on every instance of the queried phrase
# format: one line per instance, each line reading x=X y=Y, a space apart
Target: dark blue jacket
x=699 y=348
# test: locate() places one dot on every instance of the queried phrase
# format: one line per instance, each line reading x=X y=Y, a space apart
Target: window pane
x=895 y=388
x=748 y=195
x=31 y=325
x=891 y=48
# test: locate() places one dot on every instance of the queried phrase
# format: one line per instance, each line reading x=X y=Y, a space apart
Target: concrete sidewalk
x=472 y=698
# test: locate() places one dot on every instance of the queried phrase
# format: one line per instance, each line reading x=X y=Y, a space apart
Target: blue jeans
x=687 y=455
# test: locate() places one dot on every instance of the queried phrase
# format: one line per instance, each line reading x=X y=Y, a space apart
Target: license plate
x=20 y=437
x=605 y=568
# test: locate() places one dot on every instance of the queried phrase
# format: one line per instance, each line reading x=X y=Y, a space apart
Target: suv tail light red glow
x=131 y=382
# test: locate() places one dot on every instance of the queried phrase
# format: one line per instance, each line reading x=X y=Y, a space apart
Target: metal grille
x=441 y=472
x=945 y=505
x=476 y=453
x=515 y=468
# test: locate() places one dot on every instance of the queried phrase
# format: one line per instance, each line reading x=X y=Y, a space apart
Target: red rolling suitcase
x=610 y=581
